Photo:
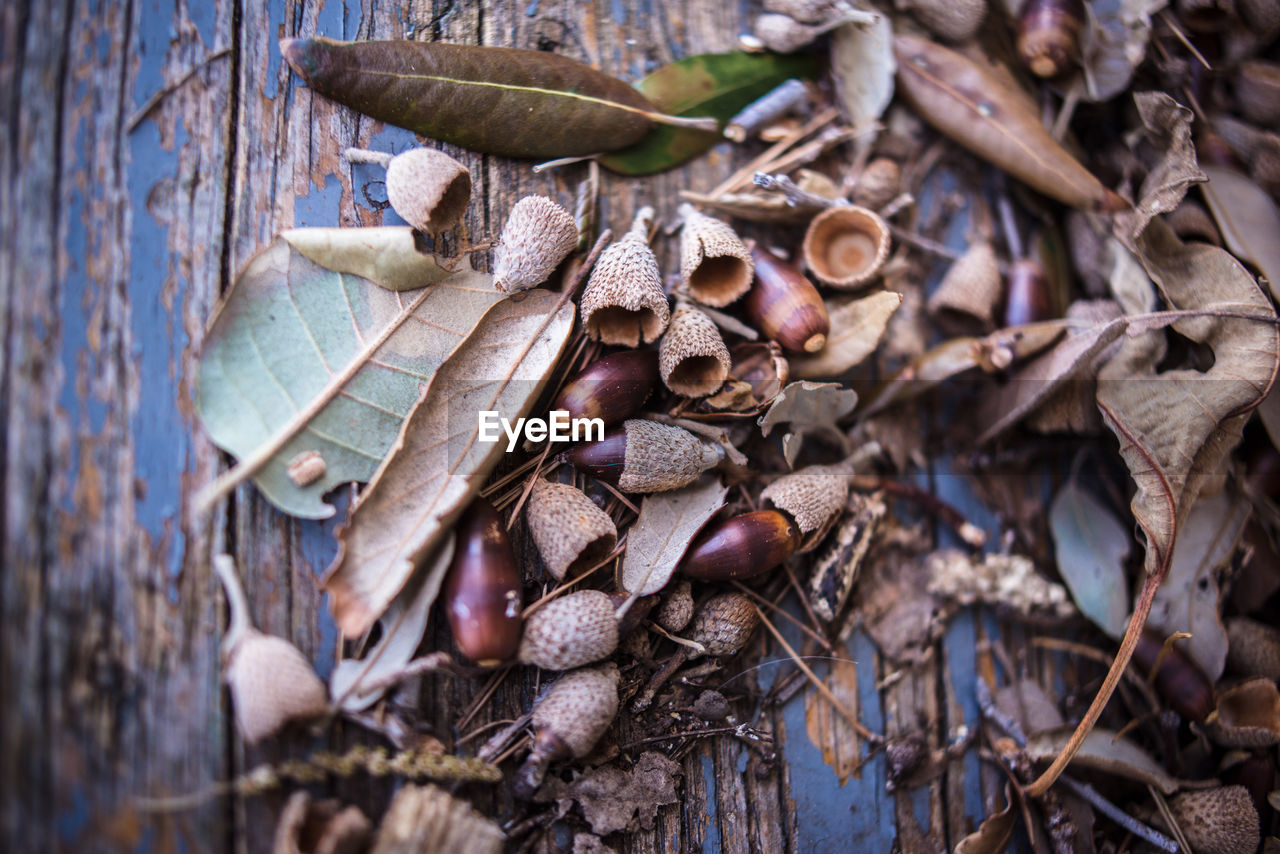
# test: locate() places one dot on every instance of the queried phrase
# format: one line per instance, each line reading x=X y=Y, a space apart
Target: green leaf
x=709 y=84
x=304 y=359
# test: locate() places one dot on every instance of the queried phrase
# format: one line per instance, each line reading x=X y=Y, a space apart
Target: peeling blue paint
x=204 y=16
x=331 y=20
x=318 y=543
x=320 y=207
x=711 y=842
x=276 y=29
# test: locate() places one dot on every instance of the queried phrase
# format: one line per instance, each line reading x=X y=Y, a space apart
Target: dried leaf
x=986 y=115
x=1092 y=546
x=863 y=66
x=1104 y=751
x=1113 y=44
x=828 y=730
x=806 y=407
x=300 y=358
x=1249 y=221
x=1188 y=599
x=613 y=800
x=427 y=818
x=668 y=522
x=992 y=836
x=497 y=100
x=1168 y=126
x=439 y=463
x=392 y=256
x=856 y=329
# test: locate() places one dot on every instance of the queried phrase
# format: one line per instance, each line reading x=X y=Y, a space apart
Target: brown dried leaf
x=438 y=463
x=1249 y=221
x=1168 y=125
x=856 y=329
x=614 y=800
x=992 y=836
x=668 y=522
x=806 y=407
x=862 y=66
x=1103 y=751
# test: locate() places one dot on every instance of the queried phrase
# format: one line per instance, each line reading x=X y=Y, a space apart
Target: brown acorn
x=812 y=496
x=427 y=188
x=1253 y=648
x=1257 y=88
x=1049 y=35
x=951 y=20
x=968 y=297
x=570 y=531
x=846 y=246
x=612 y=388
x=692 y=358
x=724 y=624
x=482 y=588
x=537 y=236
x=1215 y=821
x=785 y=306
x=644 y=456
x=714 y=264
x=568 y=721
x=571 y=631
x=677 y=607
x=879 y=184
x=1027 y=294
x=1179 y=682
x=624 y=302
x=741 y=547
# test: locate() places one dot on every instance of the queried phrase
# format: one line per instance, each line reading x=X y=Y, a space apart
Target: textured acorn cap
x=1248 y=715
x=1253 y=648
x=878 y=184
x=676 y=609
x=714 y=264
x=624 y=301
x=272 y=684
x=971 y=288
x=427 y=818
x=570 y=531
x=725 y=623
x=846 y=246
x=428 y=189
x=813 y=496
x=659 y=457
x=692 y=358
x=1257 y=87
x=952 y=20
x=579 y=707
x=570 y=631
x=1215 y=821
x=537 y=236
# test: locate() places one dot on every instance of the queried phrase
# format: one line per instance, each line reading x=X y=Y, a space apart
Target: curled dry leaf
x=807 y=407
x=856 y=329
x=439 y=463
x=1104 y=750
x=1092 y=546
x=1168 y=126
x=613 y=800
x=350 y=357
x=668 y=522
x=393 y=256
x=863 y=66
x=992 y=836
x=1249 y=221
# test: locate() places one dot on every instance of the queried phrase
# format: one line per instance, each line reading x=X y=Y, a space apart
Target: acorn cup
x=1247 y=715
x=714 y=264
x=568 y=721
x=624 y=302
x=481 y=591
x=785 y=306
x=878 y=184
x=427 y=188
x=571 y=631
x=1049 y=34
x=846 y=246
x=969 y=294
x=612 y=388
x=644 y=456
x=537 y=236
x=692 y=358
x=740 y=547
x=1215 y=821
x=813 y=497
x=570 y=531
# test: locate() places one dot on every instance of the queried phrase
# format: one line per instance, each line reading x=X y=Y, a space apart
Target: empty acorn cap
x=320 y=827
x=1253 y=648
x=692 y=358
x=1258 y=91
x=714 y=264
x=660 y=457
x=579 y=707
x=1215 y=821
x=624 y=302
x=812 y=496
x=970 y=291
x=537 y=236
x=571 y=532
x=846 y=246
x=878 y=184
x=1248 y=715
x=953 y=20
x=428 y=189
x=570 y=631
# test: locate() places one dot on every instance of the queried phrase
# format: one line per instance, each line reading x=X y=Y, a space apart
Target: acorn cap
x=660 y=457
x=428 y=189
x=579 y=707
x=952 y=20
x=571 y=532
x=570 y=631
x=725 y=623
x=878 y=184
x=624 y=302
x=813 y=497
x=692 y=358
x=1215 y=821
x=272 y=684
x=676 y=609
x=1257 y=88
x=427 y=818
x=1253 y=648
x=537 y=236
x=971 y=289
x=1248 y=715
x=846 y=245
x=714 y=264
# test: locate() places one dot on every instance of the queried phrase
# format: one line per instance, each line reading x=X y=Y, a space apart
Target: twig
x=953 y=518
x=494 y=746
x=924 y=244
x=742 y=176
x=563 y=586
x=723 y=730
x=1182 y=37
x=760 y=600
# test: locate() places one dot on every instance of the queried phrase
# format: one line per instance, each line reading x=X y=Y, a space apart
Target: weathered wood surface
x=119 y=231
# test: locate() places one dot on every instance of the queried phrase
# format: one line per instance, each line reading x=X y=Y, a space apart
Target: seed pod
x=692 y=358
x=482 y=588
x=271 y=681
x=644 y=456
x=813 y=497
x=1258 y=91
x=970 y=292
x=1049 y=35
x=612 y=388
x=570 y=531
x=785 y=306
x=1247 y=715
x=878 y=184
x=537 y=236
x=846 y=246
x=624 y=301
x=1179 y=681
x=744 y=546
x=714 y=264
x=952 y=20
x=568 y=721
x=724 y=624
x=1253 y=648
x=1215 y=821
x=570 y=631
x=1027 y=299
x=427 y=188
x=677 y=607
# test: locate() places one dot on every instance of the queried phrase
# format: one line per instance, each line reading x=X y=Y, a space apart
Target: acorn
x=1257 y=86
x=624 y=302
x=427 y=188
x=677 y=607
x=572 y=534
x=692 y=358
x=482 y=588
x=743 y=546
x=878 y=184
x=1179 y=682
x=644 y=456
x=813 y=497
x=951 y=20
x=537 y=236
x=271 y=682
x=1027 y=294
x=568 y=721
x=1215 y=821
x=1049 y=35
x=724 y=624
x=714 y=264
x=968 y=297
x=785 y=306
x=846 y=246
x=571 y=631
x=1247 y=715
x=612 y=388
x=1253 y=648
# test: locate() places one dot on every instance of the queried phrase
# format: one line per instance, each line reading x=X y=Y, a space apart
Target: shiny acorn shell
x=1049 y=35
x=1026 y=294
x=482 y=588
x=741 y=547
x=612 y=388
x=785 y=306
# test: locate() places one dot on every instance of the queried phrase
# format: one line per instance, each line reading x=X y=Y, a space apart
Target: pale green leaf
x=391 y=255
x=1091 y=547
